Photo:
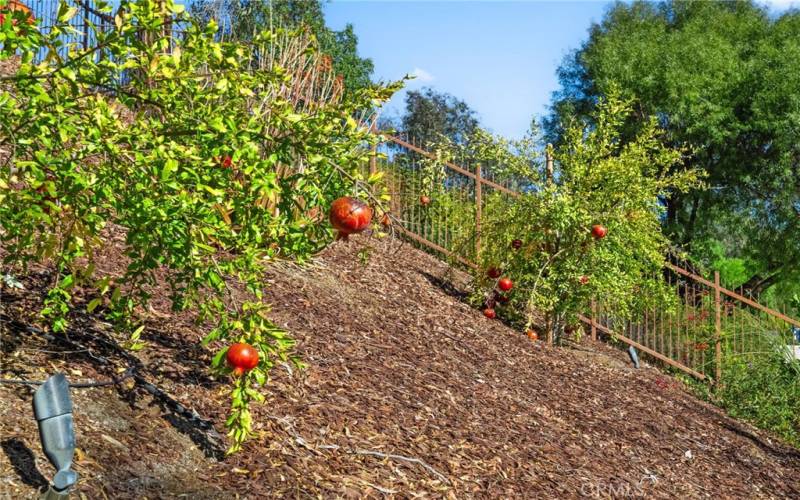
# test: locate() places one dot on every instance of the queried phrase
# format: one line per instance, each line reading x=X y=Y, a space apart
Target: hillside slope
x=408 y=392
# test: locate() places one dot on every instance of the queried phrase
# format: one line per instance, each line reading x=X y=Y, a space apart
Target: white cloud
x=422 y=76
x=780 y=4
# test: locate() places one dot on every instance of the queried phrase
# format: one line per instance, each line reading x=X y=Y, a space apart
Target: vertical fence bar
x=594 y=319
x=373 y=157
x=478 y=210
x=86 y=26
x=718 y=329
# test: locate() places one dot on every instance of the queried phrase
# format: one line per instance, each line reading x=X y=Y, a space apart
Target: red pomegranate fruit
x=489 y=313
x=599 y=231
x=516 y=244
x=242 y=357
x=493 y=273
x=505 y=284
x=349 y=216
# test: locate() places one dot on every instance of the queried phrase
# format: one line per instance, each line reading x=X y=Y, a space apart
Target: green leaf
x=170 y=166
x=137 y=333
x=65 y=15
x=216 y=362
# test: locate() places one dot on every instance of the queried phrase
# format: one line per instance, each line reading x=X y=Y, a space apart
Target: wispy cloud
x=780 y=4
x=422 y=76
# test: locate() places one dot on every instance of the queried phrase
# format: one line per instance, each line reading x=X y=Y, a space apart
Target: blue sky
x=500 y=57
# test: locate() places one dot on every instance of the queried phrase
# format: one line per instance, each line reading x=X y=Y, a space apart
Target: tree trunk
x=673 y=202
x=690 y=225
x=758 y=283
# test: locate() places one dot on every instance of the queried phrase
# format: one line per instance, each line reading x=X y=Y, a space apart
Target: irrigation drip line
x=128 y=373
x=134 y=365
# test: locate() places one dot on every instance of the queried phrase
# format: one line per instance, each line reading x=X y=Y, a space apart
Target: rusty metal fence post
x=373 y=158
x=718 y=330
x=594 y=319
x=478 y=210
x=85 y=26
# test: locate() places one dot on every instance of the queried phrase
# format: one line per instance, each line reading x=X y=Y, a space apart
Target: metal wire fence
x=700 y=331
x=84 y=25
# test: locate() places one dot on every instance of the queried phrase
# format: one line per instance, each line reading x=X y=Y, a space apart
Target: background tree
x=724 y=78
x=242 y=19
x=429 y=115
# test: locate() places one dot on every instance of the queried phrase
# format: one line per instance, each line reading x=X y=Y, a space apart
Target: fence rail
x=711 y=325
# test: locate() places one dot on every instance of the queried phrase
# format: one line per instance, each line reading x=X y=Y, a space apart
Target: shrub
x=207 y=158
x=598 y=180
x=764 y=389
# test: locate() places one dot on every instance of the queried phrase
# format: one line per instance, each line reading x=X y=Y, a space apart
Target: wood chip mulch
x=409 y=393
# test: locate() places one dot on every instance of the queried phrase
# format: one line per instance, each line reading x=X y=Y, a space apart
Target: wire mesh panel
x=700 y=327
x=707 y=330
x=85 y=24
x=435 y=209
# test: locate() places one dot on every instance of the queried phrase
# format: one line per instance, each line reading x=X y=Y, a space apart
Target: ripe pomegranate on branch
x=242 y=358
x=349 y=216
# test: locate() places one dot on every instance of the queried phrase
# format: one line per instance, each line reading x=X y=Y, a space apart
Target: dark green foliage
x=430 y=115
x=766 y=391
x=723 y=78
x=244 y=18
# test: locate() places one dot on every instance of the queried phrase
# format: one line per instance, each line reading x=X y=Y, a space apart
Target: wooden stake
x=373 y=159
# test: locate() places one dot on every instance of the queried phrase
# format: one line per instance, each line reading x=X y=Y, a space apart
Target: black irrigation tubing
x=128 y=373
x=131 y=372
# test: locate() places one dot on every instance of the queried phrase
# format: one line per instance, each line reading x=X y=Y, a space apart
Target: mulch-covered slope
x=408 y=392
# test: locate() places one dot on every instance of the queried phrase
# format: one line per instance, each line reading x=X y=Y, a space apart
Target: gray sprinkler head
x=53 y=409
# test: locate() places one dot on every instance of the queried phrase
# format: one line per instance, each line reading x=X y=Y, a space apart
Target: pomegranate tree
x=600 y=192
x=208 y=169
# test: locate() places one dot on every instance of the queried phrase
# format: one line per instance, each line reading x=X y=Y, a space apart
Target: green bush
x=598 y=180
x=764 y=389
x=212 y=160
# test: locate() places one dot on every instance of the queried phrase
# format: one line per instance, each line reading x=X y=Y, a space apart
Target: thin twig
x=404 y=458
x=288 y=427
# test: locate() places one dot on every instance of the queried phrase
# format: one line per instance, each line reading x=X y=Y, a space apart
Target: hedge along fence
x=709 y=328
